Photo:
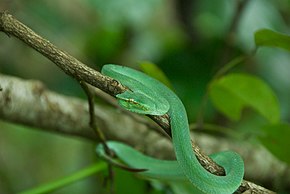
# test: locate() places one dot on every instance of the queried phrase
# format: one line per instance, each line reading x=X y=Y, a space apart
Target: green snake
x=148 y=96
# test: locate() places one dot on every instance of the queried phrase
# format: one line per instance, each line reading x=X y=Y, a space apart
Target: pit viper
x=146 y=95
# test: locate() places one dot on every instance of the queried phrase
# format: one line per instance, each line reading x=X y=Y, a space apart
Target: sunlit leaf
x=231 y=93
x=270 y=38
x=155 y=72
x=276 y=140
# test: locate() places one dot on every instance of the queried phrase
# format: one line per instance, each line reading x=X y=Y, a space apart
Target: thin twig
x=93 y=123
x=230 y=36
x=99 y=133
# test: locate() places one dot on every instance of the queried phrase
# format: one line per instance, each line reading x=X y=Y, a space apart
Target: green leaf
x=270 y=38
x=155 y=72
x=276 y=140
x=226 y=102
x=233 y=92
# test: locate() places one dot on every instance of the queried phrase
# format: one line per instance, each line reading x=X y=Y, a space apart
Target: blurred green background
x=188 y=40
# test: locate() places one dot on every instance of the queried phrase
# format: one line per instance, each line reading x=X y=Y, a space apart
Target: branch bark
x=30 y=103
x=81 y=72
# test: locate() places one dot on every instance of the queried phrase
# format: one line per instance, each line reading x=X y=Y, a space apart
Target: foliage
x=188 y=48
x=266 y=37
x=233 y=92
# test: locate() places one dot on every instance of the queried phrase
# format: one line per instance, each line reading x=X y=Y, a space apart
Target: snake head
x=143 y=103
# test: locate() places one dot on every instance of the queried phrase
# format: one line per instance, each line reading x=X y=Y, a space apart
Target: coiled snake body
x=148 y=96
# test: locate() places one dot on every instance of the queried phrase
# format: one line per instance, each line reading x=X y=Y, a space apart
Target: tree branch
x=31 y=104
x=63 y=60
x=80 y=72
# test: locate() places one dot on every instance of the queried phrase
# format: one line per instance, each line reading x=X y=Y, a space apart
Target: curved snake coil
x=148 y=96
